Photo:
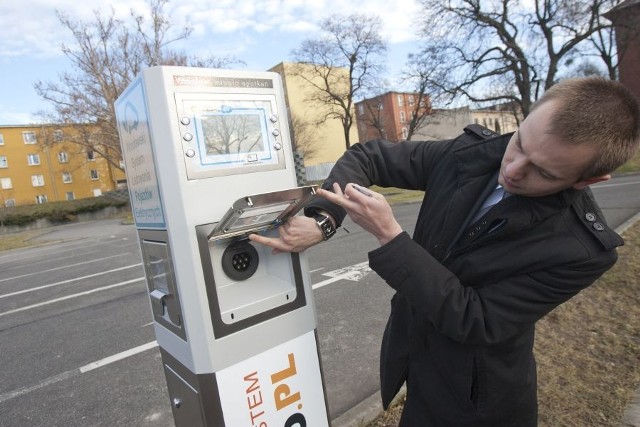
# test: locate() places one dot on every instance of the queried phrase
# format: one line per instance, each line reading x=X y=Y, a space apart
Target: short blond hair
x=597 y=111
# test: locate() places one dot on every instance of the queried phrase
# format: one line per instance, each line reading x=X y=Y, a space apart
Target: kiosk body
x=209 y=159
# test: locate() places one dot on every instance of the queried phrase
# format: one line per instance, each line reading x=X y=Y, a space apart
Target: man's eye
x=545 y=175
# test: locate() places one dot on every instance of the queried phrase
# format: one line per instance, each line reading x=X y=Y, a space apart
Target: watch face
x=326 y=226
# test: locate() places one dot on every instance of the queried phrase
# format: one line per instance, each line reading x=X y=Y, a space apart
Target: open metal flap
x=260 y=212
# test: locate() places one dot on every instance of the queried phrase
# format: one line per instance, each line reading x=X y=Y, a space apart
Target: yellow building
x=500 y=119
x=326 y=138
x=39 y=163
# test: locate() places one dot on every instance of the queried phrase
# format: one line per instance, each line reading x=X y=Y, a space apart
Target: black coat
x=462 y=321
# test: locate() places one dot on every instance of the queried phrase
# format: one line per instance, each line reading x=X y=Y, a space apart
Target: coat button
x=486 y=132
x=598 y=226
x=590 y=216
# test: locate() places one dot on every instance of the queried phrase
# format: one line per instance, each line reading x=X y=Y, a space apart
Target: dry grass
x=21 y=239
x=588 y=350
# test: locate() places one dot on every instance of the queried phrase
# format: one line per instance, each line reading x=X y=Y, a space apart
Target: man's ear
x=589 y=181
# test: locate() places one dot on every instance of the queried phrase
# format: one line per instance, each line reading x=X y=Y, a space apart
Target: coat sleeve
x=485 y=315
x=405 y=165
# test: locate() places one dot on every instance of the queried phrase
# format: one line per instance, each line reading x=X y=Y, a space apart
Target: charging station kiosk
x=209 y=160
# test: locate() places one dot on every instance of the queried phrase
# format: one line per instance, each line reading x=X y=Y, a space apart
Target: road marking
x=75 y=372
x=79 y=294
x=119 y=356
x=67 y=281
x=354 y=273
x=62 y=267
x=30 y=264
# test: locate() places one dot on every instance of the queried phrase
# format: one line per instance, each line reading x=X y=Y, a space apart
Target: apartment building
x=40 y=163
x=388 y=115
x=326 y=136
x=499 y=118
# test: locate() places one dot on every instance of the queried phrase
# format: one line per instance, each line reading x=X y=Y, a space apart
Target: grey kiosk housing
x=209 y=160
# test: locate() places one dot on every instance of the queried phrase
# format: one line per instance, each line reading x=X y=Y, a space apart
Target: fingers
x=276 y=244
x=352 y=196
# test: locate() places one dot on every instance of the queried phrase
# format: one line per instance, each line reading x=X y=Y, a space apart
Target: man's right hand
x=295 y=235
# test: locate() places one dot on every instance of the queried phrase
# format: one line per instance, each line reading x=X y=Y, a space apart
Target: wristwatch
x=326 y=226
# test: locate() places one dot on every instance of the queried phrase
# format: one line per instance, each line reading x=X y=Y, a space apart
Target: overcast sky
x=261 y=33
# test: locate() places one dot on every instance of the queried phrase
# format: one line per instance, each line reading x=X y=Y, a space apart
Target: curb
x=371 y=408
x=366 y=411
x=631 y=415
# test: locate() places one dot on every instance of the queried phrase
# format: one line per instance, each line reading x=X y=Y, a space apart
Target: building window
x=91 y=155
x=66 y=177
x=405 y=133
x=41 y=198
x=497 y=127
x=4 y=163
x=403 y=117
x=70 y=196
x=411 y=100
x=33 y=159
x=37 y=180
x=6 y=183
x=9 y=203
x=1 y=139
x=400 y=100
x=29 y=137
x=380 y=106
x=484 y=122
x=94 y=174
x=476 y=121
x=63 y=157
x=360 y=109
x=58 y=135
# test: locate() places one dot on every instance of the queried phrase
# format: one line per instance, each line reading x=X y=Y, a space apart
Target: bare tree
x=107 y=54
x=350 y=43
x=373 y=117
x=505 y=51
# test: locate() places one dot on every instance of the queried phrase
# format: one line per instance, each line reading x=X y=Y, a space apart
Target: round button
x=590 y=216
x=190 y=152
x=185 y=120
x=275 y=132
x=187 y=136
x=598 y=226
x=487 y=132
x=277 y=146
x=273 y=118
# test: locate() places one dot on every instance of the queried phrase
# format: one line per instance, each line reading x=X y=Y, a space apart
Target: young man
x=507 y=231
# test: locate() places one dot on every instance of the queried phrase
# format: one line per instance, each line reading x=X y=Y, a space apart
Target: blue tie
x=497 y=195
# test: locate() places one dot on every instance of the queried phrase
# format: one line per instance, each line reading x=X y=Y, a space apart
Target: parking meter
x=209 y=160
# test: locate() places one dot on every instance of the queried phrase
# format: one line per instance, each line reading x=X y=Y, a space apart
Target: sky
x=261 y=33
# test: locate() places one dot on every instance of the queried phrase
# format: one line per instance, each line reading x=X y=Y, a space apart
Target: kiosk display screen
x=229 y=136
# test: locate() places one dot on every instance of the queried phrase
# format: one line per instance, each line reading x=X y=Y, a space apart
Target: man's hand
x=295 y=235
x=368 y=209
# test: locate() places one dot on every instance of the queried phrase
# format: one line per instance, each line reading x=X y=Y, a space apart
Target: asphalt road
x=77 y=346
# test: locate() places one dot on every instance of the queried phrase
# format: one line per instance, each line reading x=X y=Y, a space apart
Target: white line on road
x=24 y=291
x=62 y=267
x=119 y=356
x=75 y=372
x=354 y=272
x=79 y=294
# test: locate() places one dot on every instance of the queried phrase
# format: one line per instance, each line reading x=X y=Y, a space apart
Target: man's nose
x=517 y=169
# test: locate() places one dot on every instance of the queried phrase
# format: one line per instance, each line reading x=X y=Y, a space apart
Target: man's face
x=537 y=163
